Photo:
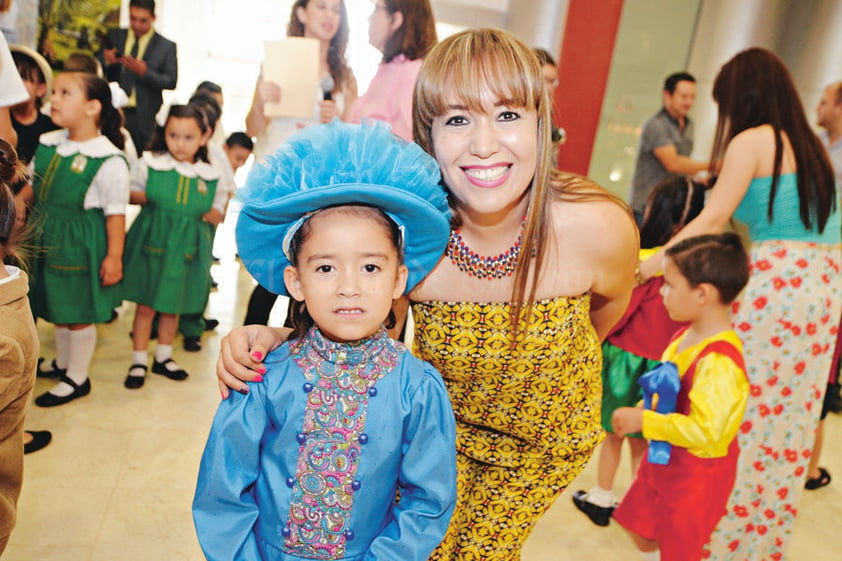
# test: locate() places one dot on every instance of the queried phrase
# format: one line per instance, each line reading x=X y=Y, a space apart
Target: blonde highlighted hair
x=481 y=67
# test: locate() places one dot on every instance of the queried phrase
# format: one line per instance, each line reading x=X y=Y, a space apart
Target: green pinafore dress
x=70 y=242
x=168 y=247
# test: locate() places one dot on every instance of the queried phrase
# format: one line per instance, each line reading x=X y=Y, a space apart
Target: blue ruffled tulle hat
x=334 y=164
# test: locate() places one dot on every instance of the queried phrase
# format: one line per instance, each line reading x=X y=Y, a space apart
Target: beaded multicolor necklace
x=488 y=268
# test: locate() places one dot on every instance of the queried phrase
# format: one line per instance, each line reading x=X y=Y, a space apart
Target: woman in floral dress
x=777 y=179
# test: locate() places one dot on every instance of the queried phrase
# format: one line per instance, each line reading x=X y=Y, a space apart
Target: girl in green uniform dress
x=80 y=190
x=168 y=248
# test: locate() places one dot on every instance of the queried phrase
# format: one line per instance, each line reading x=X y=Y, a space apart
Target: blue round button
x=349 y=535
x=363 y=438
x=290 y=482
x=372 y=392
x=286 y=532
x=356 y=485
x=301 y=438
x=308 y=387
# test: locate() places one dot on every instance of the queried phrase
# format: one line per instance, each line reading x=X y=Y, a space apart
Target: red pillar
x=584 y=63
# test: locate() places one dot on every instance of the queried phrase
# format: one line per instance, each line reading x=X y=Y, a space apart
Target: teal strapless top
x=786 y=221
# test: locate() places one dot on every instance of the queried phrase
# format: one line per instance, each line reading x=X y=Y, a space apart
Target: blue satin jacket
x=306 y=466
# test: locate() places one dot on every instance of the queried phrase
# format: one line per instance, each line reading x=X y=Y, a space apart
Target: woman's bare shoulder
x=581 y=205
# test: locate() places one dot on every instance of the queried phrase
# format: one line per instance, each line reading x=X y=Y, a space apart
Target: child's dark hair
x=674 y=201
x=158 y=143
x=719 y=260
x=208 y=87
x=300 y=318
x=82 y=62
x=29 y=70
x=110 y=121
x=209 y=106
x=11 y=170
x=240 y=139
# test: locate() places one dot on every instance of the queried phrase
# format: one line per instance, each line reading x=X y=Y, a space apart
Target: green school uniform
x=70 y=242
x=168 y=247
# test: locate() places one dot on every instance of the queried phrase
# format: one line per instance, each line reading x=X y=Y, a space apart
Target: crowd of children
x=84 y=264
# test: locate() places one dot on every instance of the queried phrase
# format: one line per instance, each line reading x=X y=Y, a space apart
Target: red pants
x=679 y=504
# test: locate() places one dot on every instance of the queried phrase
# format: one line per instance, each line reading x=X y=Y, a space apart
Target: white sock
x=80 y=352
x=163 y=352
x=601 y=497
x=140 y=357
x=651 y=555
x=62 y=336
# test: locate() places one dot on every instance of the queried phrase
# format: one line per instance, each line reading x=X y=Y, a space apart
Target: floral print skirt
x=788 y=319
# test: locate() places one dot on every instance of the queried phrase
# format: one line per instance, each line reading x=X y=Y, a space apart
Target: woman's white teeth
x=487 y=174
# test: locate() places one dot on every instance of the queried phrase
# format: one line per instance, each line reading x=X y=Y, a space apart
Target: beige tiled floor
x=117 y=481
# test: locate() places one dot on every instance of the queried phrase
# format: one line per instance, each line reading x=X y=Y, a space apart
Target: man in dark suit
x=144 y=63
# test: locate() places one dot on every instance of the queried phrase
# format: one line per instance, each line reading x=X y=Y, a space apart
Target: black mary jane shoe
x=53 y=372
x=52 y=400
x=192 y=344
x=135 y=382
x=599 y=515
x=40 y=438
x=161 y=368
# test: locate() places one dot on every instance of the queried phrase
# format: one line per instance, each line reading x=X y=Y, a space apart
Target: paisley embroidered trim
x=340 y=380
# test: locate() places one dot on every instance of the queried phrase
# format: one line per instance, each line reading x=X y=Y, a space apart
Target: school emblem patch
x=79 y=163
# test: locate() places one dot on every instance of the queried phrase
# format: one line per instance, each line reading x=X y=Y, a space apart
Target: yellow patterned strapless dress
x=528 y=415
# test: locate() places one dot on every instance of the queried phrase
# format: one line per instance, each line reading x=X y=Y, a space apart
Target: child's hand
x=627 y=420
x=111 y=270
x=328 y=110
x=213 y=216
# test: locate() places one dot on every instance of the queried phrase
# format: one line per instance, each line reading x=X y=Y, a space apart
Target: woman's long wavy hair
x=481 y=64
x=336 y=61
x=755 y=88
x=417 y=35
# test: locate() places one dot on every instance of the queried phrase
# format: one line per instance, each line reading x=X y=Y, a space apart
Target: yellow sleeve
x=717 y=402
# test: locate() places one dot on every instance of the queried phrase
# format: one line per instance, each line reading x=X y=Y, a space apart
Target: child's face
x=69 y=105
x=679 y=297
x=184 y=138
x=34 y=88
x=237 y=155
x=348 y=274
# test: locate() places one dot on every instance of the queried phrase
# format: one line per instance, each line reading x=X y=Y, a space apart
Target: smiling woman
x=518 y=348
x=481 y=108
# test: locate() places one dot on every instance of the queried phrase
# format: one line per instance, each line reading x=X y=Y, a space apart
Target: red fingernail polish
x=257 y=355
x=261 y=370
x=258 y=378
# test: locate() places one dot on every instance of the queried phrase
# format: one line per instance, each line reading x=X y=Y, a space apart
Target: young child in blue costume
x=347 y=449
